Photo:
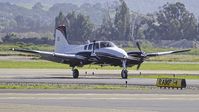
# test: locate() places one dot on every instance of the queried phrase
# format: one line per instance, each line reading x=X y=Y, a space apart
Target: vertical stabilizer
x=61 y=42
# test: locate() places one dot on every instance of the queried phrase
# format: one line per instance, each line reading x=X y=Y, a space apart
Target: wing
x=166 y=53
x=51 y=54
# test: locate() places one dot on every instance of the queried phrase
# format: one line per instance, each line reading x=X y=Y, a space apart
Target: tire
x=75 y=73
x=124 y=74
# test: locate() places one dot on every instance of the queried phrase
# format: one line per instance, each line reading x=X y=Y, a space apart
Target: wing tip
x=185 y=50
x=12 y=49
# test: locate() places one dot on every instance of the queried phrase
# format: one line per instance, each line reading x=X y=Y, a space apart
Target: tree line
x=171 y=22
x=14 y=18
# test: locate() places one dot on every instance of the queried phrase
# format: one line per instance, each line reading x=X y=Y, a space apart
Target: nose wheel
x=124 y=74
x=75 y=73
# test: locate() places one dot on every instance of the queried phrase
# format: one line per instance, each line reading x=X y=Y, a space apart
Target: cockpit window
x=106 y=44
x=96 y=46
x=85 y=47
x=90 y=46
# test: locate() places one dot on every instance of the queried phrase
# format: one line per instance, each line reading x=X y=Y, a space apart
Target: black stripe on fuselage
x=101 y=59
x=107 y=58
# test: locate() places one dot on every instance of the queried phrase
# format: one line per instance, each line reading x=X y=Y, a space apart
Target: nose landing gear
x=124 y=73
x=75 y=73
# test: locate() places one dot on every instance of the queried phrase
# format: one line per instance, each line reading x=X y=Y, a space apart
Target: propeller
x=142 y=55
x=138 y=66
x=138 y=45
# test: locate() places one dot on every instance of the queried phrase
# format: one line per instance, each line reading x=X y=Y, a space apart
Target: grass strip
x=32 y=64
x=169 y=66
x=48 y=65
x=195 y=77
x=67 y=86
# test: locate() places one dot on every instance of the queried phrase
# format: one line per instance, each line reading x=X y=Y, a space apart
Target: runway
x=4 y=72
x=147 y=99
x=61 y=76
x=95 y=100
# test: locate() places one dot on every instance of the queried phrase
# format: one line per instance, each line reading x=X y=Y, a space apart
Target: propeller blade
x=138 y=45
x=138 y=67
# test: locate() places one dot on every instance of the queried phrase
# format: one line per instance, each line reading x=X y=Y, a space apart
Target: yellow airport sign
x=171 y=83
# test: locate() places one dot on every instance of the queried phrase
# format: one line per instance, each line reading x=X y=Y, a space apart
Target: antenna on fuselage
x=88 y=41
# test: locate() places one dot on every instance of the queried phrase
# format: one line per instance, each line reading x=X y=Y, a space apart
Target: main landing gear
x=75 y=73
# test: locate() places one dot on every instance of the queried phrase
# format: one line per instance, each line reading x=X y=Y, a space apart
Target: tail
x=61 y=42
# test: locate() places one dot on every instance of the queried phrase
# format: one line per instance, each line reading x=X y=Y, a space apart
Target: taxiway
x=61 y=76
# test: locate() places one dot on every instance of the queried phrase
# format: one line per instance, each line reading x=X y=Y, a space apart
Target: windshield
x=106 y=44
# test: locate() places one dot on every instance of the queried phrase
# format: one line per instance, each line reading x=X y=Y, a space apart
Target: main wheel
x=124 y=74
x=75 y=73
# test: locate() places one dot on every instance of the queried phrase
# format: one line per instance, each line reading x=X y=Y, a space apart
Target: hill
x=141 y=6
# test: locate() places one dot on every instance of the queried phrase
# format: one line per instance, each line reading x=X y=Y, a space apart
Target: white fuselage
x=112 y=49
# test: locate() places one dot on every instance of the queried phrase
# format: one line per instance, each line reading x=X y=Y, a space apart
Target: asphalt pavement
x=120 y=100
x=61 y=76
x=91 y=100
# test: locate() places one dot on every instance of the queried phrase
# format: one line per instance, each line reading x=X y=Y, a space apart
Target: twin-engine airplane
x=96 y=52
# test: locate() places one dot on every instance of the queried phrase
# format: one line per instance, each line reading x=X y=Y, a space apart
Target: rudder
x=61 y=42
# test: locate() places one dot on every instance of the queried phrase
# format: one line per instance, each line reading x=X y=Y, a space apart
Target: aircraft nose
x=121 y=53
x=118 y=52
